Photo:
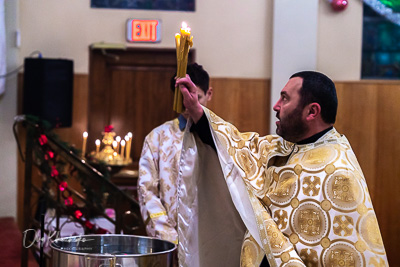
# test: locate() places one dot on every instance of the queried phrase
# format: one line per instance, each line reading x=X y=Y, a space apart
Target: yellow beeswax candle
x=129 y=145
x=97 y=146
x=183 y=42
x=122 y=148
x=85 y=136
x=118 y=139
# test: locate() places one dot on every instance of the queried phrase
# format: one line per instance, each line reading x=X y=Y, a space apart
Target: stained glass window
x=381 y=44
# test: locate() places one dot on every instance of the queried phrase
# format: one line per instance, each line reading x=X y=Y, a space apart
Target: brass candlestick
x=110 y=154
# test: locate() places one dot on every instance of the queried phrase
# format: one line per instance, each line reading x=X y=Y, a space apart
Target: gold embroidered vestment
x=309 y=203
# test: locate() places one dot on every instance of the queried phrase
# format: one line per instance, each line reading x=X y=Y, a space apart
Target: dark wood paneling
x=131 y=91
x=243 y=102
x=357 y=112
x=387 y=182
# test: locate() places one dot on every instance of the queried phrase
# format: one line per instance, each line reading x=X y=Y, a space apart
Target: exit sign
x=141 y=30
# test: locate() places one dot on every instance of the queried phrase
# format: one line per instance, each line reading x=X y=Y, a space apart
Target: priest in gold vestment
x=301 y=194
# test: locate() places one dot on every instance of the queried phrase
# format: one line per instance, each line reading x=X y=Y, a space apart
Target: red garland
x=42 y=139
x=68 y=201
x=49 y=155
x=63 y=186
x=89 y=225
x=78 y=214
x=54 y=171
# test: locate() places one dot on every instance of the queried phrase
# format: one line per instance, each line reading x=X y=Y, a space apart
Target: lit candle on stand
x=85 y=136
x=127 y=146
x=122 y=148
x=183 y=43
x=118 y=139
x=97 y=146
x=130 y=135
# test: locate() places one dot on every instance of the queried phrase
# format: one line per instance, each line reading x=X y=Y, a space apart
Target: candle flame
x=184 y=25
x=97 y=142
x=123 y=143
x=85 y=134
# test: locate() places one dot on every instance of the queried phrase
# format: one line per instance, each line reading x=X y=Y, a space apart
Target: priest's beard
x=291 y=127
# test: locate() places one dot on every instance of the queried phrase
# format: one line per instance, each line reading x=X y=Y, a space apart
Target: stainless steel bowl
x=112 y=251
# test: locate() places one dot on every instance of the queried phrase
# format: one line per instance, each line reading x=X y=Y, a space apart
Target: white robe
x=199 y=211
x=157 y=183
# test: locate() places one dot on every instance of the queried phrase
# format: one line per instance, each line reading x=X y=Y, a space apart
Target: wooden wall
x=368 y=115
x=242 y=102
x=130 y=89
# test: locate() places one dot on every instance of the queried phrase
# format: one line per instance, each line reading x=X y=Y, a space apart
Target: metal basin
x=112 y=251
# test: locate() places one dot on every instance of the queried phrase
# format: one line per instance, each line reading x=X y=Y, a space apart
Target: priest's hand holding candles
x=183 y=42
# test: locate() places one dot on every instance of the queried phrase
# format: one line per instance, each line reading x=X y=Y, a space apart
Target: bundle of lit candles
x=113 y=152
x=183 y=43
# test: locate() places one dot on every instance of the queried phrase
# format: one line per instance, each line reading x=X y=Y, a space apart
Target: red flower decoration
x=78 y=214
x=42 y=140
x=89 y=225
x=54 y=171
x=68 y=201
x=63 y=185
x=108 y=129
x=51 y=154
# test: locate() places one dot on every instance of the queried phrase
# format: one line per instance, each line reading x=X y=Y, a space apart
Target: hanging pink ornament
x=339 y=5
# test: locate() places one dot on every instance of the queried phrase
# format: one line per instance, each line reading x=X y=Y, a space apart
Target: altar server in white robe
x=161 y=194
